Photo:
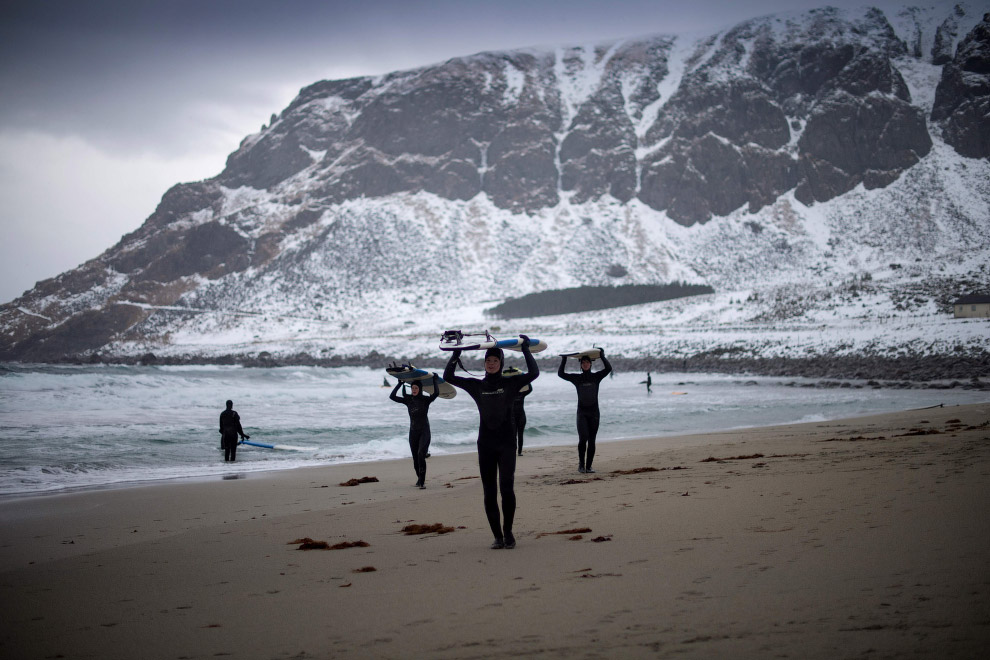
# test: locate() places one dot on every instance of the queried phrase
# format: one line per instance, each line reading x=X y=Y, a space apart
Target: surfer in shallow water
x=230 y=428
x=418 y=406
x=588 y=415
x=495 y=396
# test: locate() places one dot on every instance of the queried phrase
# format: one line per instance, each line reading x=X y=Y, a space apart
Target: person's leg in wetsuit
x=520 y=428
x=582 y=430
x=488 y=467
x=592 y=420
x=230 y=449
x=497 y=465
x=414 y=449
x=506 y=485
x=420 y=452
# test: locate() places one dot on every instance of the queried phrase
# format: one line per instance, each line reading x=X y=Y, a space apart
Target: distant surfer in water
x=230 y=428
x=588 y=415
x=649 y=383
x=495 y=397
x=418 y=406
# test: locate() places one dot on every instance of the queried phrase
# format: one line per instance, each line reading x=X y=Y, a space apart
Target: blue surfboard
x=535 y=345
x=453 y=340
x=264 y=445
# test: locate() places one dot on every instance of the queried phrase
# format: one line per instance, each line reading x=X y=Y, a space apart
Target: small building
x=975 y=305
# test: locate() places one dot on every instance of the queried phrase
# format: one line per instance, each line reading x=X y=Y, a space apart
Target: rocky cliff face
x=407 y=182
x=770 y=106
x=962 y=100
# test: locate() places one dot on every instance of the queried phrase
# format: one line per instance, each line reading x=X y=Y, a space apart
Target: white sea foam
x=96 y=426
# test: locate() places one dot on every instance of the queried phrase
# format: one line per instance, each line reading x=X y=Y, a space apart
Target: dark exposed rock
x=710 y=176
x=178 y=201
x=85 y=332
x=860 y=126
x=522 y=173
x=598 y=156
x=962 y=99
x=741 y=111
x=490 y=124
x=945 y=38
x=307 y=127
x=210 y=249
x=833 y=160
x=840 y=371
x=73 y=282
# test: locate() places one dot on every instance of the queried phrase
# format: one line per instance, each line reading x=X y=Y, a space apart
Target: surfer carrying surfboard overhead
x=495 y=396
x=418 y=406
x=588 y=415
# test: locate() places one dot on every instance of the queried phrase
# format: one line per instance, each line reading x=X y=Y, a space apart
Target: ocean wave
x=65 y=427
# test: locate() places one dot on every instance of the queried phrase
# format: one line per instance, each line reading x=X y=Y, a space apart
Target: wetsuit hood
x=495 y=351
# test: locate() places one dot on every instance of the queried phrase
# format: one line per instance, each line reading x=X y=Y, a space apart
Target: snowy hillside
x=821 y=171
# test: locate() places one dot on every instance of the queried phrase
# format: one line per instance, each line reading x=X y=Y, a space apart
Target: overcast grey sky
x=105 y=104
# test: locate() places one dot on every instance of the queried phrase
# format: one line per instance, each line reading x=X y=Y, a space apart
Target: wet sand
x=861 y=537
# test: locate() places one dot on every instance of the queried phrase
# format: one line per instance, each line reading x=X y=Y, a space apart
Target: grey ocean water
x=67 y=427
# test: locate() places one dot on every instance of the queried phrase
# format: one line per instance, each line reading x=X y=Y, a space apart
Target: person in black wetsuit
x=495 y=396
x=230 y=428
x=418 y=406
x=518 y=408
x=588 y=415
x=519 y=413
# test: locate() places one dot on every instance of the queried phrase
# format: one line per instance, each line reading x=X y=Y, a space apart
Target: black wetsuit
x=230 y=429
x=419 y=425
x=519 y=413
x=588 y=415
x=494 y=396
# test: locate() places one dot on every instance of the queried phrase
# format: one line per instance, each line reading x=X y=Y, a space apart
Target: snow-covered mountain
x=827 y=173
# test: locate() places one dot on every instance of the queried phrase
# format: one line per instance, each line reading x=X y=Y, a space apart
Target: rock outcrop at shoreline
x=933 y=371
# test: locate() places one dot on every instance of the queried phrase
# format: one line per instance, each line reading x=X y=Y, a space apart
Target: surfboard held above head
x=509 y=372
x=593 y=353
x=408 y=374
x=455 y=340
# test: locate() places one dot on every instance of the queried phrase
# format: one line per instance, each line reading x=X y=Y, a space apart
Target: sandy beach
x=866 y=537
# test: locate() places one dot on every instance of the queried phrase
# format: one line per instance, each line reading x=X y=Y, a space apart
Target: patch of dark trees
x=590 y=298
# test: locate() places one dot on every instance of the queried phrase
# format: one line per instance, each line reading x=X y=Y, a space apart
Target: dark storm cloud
x=119 y=71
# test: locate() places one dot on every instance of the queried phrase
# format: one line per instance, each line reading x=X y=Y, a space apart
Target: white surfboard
x=454 y=340
x=593 y=353
x=410 y=374
x=513 y=371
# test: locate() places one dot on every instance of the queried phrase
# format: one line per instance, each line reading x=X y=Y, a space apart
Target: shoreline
x=468 y=450
x=819 y=540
